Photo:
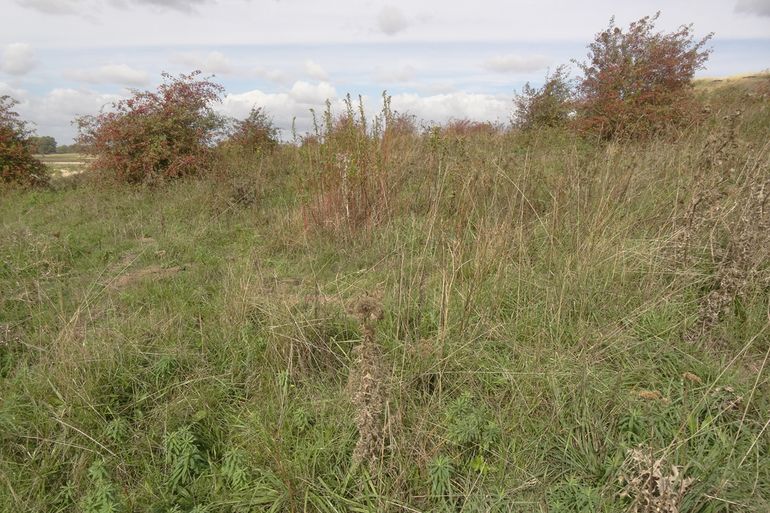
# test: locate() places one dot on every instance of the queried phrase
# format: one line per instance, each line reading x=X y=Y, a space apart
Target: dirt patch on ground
x=154 y=272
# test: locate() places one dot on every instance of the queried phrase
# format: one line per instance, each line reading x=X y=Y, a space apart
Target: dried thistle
x=715 y=165
x=729 y=203
x=747 y=252
x=652 y=484
x=366 y=387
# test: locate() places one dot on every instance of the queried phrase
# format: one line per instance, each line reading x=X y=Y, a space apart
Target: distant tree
x=17 y=164
x=70 y=148
x=547 y=106
x=156 y=135
x=255 y=132
x=43 y=145
x=637 y=81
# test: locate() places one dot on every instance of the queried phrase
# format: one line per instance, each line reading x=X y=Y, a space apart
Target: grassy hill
x=456 y=321
x=748 y=82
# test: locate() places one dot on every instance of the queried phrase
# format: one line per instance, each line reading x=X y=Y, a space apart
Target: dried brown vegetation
x=367 y=387
x=653 y=485
x=729 y=213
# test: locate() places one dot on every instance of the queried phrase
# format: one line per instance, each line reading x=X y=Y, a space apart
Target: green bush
x=17 y=164
x=547 y=106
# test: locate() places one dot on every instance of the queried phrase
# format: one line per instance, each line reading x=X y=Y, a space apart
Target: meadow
x=65 y=164
x=463 y=318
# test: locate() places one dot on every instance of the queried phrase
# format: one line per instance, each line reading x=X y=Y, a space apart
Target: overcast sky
x=439 y=59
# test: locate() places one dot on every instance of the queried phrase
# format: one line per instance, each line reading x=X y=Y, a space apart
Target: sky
x=438 y=59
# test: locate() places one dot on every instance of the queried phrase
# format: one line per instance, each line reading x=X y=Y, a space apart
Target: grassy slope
x=189 y=347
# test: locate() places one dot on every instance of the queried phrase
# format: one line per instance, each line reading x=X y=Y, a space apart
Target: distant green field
x=65 y=164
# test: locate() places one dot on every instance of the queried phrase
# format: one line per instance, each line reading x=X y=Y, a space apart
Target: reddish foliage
x=638 y=81
x=468 y=128
x=256 y=132
x=402 y=125
x=17 y=164
x=156 y=135
x=350 y=187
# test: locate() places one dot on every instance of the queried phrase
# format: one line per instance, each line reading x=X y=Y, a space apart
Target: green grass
x=187 y=348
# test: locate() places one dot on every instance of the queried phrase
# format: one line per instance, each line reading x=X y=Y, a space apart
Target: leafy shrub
x=469 y=425
x=184 y=459
x=547 y=106
x=102 y=496
x=256 y=132
x=233 y=470
x=639 y=81
x=17 y=164
x=440 y=474
x=156 y=135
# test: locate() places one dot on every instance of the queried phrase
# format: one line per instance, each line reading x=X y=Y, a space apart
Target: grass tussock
x=561 y=325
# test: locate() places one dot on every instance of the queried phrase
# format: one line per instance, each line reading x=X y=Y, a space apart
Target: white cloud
x=19 y=95
x=59 y=107
x=443 y=107
x=179 y=5
x=110 y=74
x=285 y=107
x=53 y=112
x=433 y=88
x=273 y=75
x=391 y=20
x=516 y=63
x=315 y=70
x=18 y=59
x=281 y=107
x=402 y=73
x=211 y=62
x=312 y=94
x=86 y=7
x=758 y=7
x=65 y=103
x=53 y=6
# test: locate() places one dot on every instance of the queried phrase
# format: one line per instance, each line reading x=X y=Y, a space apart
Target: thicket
x=639 y=81
x=254 y=133
x=550 y=105
x=635 y=82
x=156 y=135
x=17 y=163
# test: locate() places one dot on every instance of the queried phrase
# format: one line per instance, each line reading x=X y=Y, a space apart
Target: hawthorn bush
x=547 y=106
x=17 y=164
x=256 y=132
x=153 y=136
x=637 y=82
